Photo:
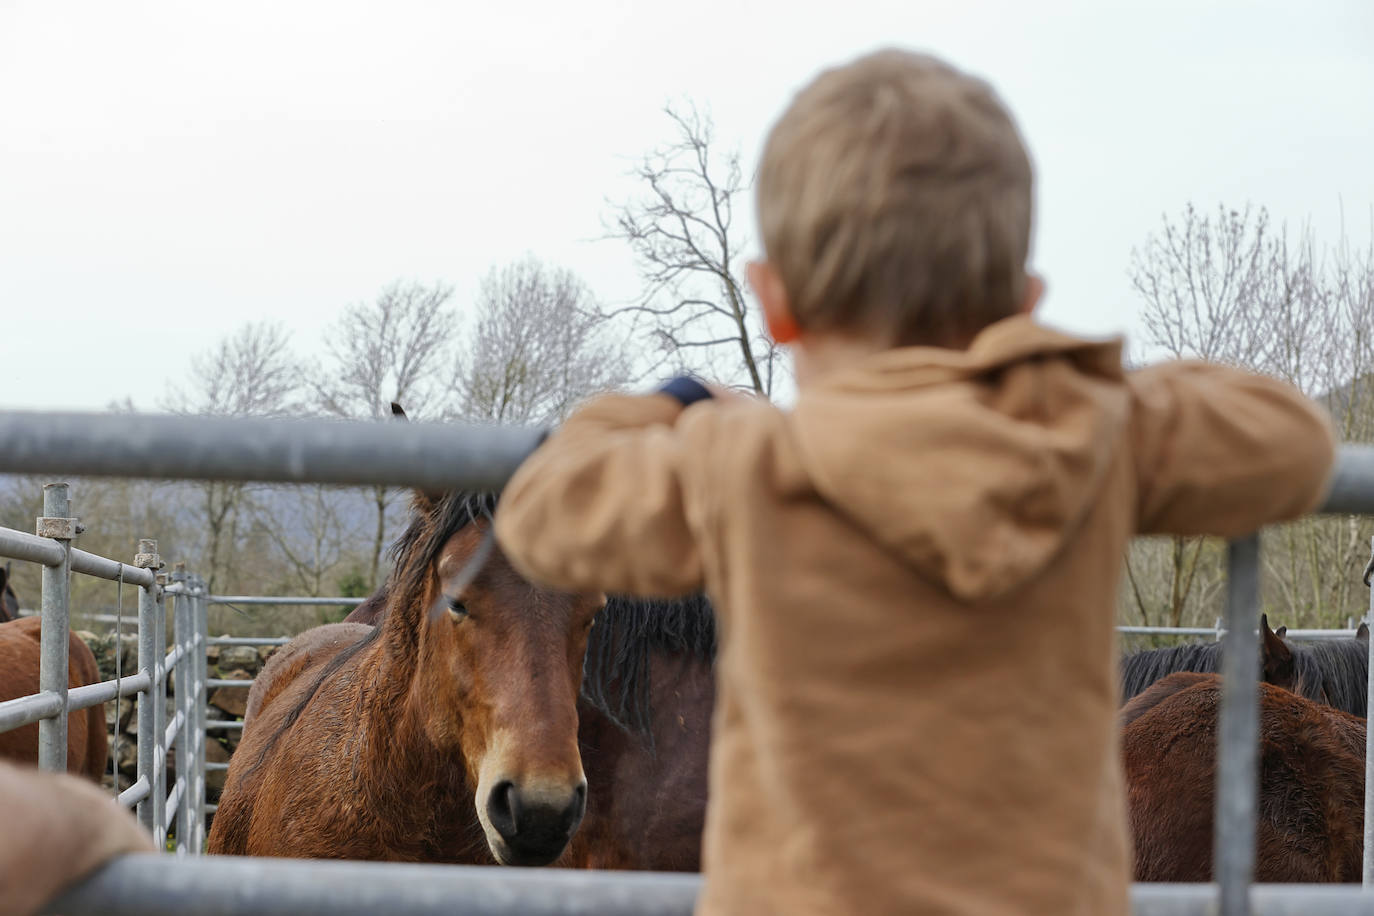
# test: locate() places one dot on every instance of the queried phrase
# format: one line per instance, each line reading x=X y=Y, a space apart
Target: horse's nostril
x=503 y=809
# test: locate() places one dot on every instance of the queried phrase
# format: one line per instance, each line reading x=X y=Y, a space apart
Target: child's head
x=894 y=201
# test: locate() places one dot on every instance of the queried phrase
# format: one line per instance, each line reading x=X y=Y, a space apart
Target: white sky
x=169 y=170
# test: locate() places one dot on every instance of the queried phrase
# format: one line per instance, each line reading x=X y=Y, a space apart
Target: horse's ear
x=1277 y=657
x=1281 y=632
x=1362 y=634
x=420 y=501
x=4 y=577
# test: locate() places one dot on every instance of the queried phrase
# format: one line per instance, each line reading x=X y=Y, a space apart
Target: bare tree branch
x=681 y=231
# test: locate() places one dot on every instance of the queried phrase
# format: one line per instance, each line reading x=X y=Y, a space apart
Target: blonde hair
x=894 y=199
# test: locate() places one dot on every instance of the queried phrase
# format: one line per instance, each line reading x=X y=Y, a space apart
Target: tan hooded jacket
x=915 y=571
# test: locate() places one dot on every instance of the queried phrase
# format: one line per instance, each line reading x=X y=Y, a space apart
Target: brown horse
x=87 y=742
x=448 y=733
x=1311 y=814
x=644 y=729
x=1330 y=671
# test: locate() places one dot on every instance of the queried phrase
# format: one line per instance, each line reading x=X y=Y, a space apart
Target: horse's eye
x=457 y=608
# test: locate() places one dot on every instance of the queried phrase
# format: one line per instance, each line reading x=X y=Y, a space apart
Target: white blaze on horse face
x=500 y=771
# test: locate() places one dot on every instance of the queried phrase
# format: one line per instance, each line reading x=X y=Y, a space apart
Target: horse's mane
x=615 y=675
x=1339 y=666
x=1141 y=669
x=418 y=547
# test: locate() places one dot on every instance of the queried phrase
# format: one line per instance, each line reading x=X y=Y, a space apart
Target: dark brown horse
x=1330 y=671
x=87 y=743
x=644 y=729
x=448 y=733
x=1311 y=814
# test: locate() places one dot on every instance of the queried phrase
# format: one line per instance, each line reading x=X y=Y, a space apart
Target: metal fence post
x=56 y=610
x=1369 y=735
x=182 y=638
x=150 y=662
x=202 y=624
x=160 y=714
x=1237 y=788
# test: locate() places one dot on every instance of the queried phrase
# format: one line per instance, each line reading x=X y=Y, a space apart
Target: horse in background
x=644 y=729
x=447 y=733
x=1330 y=671
x=9 y=601
x=87 y=741
x=1310 y=824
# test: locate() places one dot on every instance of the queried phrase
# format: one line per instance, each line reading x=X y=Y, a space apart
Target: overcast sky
x=169 y=170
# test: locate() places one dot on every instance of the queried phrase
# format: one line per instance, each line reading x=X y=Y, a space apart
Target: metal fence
x=155 y=803
x=459 y=456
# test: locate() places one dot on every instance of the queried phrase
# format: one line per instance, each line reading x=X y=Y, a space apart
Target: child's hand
x=725 y=393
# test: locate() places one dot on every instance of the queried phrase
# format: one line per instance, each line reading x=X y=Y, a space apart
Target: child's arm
x=600 y=506
x=1220 y=451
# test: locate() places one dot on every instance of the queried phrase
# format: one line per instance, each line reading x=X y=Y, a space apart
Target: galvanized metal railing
x=458 y=456
x=155 y=806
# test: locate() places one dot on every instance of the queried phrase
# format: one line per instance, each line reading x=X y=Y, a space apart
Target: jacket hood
x=975 y=466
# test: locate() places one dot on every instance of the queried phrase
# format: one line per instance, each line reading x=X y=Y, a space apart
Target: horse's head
x=1333 y=672
x=499 y=673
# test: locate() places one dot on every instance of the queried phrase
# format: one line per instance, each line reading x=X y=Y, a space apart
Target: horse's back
x=87 y=743
x=1311 y=785
x=310 y=649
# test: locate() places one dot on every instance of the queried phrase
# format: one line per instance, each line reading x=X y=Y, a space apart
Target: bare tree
x=395 y=349
x=250 y=373
x=1227 y=287
x=311 y=530
x=682 y=231
x=539 y=347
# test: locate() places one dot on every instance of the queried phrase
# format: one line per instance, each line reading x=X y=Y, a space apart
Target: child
x=914 y=569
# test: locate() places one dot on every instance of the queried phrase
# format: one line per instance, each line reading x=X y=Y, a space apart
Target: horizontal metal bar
x=170 y=660
x=425 y=455
x=223 y=885
x=159 y=885
x=1352 y=483
x=304 y=601
x=214 y=682
x=134 y=794
x=211 y=807
x=169 y=735
x=95 y=694
x=212 y=724
x=18 y=545
x=1266 y=900
x=1168 y=631
x=103 y=568
x=174 y=798
x=23 y=711
x=210 y=766
x=1318 y=635
x=249 y=640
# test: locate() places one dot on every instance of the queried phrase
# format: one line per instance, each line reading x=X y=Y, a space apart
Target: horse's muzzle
x=535 y=826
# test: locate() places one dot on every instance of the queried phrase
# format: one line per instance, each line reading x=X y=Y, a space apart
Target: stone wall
x=225 y=662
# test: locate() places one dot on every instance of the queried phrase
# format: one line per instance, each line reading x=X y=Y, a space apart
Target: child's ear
x=1035 y=289
x=772 y=296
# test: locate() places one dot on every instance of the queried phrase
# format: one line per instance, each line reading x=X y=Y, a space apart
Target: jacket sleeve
x=1224 y=452
x=600 y=506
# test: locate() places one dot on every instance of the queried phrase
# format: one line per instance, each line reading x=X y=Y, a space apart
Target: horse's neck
x=393 y=704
